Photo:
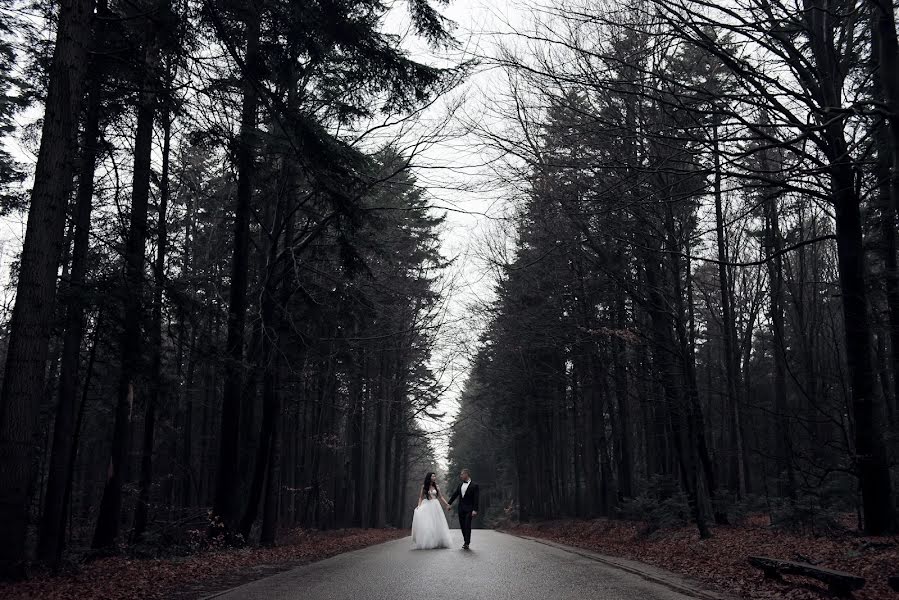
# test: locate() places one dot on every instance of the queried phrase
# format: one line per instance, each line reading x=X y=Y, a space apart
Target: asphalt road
x=498 y=566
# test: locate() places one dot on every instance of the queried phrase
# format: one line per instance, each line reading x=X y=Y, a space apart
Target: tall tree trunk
x=606 y=483
x=79 y=419
x=581 y=434
x=284 y=278
x=728 y=324
x=686 y=355
x=29 y=328
x=226 y=504
x=52 y=530
x=589 y=494
x=872 y=463
x=367 y=454
x=885 y=52
x=871 y=457
x=273 y=442
x=773 y=244
x=386 y=389
x=402 y=475
x=184 y=420
x=888 y=248
x=146 y=474
x=664 y=350
x=357 y=437
x=269 y=368
x=109 y=517
x=625 y=462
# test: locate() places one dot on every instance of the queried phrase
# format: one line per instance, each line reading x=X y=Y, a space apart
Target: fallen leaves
x=721 y=562
x=194 y=576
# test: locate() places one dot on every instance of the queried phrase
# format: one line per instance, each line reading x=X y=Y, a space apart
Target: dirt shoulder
x=194 y=576
x=721 y=562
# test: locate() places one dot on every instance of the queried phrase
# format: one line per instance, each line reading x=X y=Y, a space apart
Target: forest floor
x=721 y=562
x=193 y=576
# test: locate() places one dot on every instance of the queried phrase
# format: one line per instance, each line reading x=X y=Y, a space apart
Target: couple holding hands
x=429 y=526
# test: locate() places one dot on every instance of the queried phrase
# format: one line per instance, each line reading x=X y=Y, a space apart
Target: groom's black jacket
x=468 y=502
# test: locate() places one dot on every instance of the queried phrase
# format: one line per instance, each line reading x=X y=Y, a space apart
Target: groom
x=468 y=494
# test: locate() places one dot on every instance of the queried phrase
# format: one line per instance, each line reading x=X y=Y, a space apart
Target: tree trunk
x=129 y=388
x=146 y=475
x=269 y=367
x=357 y=439
x=589 y=493
x=226 y=505
x=625 y=462
x=664 y=349
x=403 y=474
x=692 y=410
x=386 y=388
x=885 y=51
x=600 y=391
x=273 y=463
x=871 y=457
x=79 y=419
x=184 y=420
x=283 y=274
x=32 y=316
x=888 y=248
x=728 y=325
x=581 y=435
x=53 y=518
x=782 y=445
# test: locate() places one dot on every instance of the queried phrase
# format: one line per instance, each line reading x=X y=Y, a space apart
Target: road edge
x=299 y=566
x=669 y=579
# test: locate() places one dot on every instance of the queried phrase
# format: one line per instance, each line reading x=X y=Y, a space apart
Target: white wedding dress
x=429 y=527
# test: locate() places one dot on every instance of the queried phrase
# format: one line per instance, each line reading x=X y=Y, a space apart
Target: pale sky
x=458 y=171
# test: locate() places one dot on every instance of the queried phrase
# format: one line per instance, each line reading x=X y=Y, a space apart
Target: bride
x=429 y=528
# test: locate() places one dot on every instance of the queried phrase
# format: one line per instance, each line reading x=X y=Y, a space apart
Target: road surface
x=498 y=566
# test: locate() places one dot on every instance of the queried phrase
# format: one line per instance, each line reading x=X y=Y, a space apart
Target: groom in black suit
x=469 y=496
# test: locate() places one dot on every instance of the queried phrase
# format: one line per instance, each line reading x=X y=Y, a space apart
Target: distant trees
x=709 y=243
x=232 y=317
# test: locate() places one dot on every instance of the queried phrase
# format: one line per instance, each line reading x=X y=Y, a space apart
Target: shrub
x=661 y=506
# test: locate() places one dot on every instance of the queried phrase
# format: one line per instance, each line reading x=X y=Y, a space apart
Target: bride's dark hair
x=426 y=486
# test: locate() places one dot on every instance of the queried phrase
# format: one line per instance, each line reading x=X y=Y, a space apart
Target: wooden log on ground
x=838 y=582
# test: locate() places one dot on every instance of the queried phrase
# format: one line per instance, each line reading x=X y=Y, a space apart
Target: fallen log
x=838 y=582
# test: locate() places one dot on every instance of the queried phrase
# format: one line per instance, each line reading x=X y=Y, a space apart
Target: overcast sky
x=458 y=172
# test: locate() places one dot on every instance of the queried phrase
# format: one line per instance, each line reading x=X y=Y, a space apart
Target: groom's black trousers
x=465 y=519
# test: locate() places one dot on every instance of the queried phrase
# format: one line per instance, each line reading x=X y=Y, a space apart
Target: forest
x=229 y=283
x=698 y=314
x=232 y=317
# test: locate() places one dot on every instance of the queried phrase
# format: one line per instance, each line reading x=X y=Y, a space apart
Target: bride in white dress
x=429 y=527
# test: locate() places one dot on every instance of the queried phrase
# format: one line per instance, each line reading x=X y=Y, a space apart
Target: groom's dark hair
x=467 y=472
